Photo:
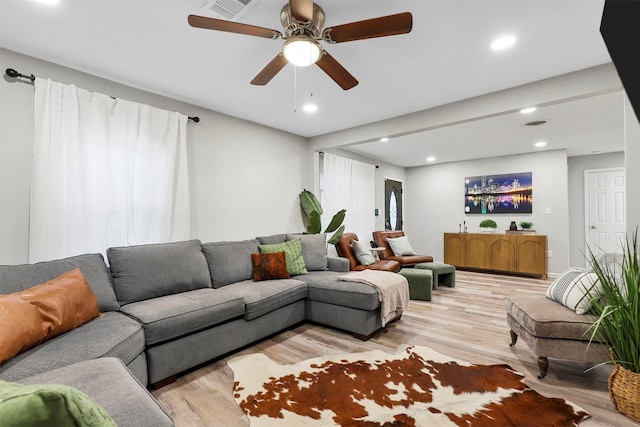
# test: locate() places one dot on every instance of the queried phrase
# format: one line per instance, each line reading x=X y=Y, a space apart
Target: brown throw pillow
x=20 y=326
x=269 y=266
x=64 y=303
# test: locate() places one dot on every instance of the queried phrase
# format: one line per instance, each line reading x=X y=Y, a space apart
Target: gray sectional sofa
x=171 y=307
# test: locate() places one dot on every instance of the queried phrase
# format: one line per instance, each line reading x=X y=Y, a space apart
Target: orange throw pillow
x=269 y=266
x=20 y=326
x=64 y=303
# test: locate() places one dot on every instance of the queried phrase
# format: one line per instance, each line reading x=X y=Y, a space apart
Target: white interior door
x=605 y=211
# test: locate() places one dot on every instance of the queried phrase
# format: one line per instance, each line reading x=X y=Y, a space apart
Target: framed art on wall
x=493 y=194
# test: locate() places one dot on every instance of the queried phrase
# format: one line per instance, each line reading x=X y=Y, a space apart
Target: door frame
x=587 y=206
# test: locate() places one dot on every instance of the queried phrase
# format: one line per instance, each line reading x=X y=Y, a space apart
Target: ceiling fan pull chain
x=295 y=89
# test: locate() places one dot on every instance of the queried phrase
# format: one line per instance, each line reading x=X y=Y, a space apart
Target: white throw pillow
x=362 y=252
x=573 y=288
x=400 y=246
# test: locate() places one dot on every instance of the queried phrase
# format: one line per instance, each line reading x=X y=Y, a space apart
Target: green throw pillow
x=293 y=254
x=49 y=405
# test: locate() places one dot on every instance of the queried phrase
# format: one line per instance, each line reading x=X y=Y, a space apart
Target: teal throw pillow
x=49 y=405
x=293 y=254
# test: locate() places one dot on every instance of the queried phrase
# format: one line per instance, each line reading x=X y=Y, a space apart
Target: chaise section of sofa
x=109 y=383
x=113 y=334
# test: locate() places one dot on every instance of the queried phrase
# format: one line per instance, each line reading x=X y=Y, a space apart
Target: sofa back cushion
x=148 y=271
x=314 y=250
x=16 y=278
x=230 y=262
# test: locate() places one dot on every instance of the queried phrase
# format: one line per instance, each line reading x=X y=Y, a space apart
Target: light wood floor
x=466 y=322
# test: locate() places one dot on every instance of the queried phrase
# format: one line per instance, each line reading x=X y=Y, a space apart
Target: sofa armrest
x=338 y=264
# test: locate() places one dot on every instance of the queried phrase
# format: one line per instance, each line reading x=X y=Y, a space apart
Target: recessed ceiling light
x=310 y=108
x=384 y=139
x=528 y=110
x=503 y=42
x=540 y=144
x=431 y=159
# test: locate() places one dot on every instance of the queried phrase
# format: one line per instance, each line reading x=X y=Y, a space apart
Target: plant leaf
x=310 y=203
x=336 y=236
x=336 y=221
x=313 y=223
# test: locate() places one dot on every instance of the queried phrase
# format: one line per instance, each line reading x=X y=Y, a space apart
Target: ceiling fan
x=303 y=21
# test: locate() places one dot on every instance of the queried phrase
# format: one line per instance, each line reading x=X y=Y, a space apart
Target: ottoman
x=443 y=274
x=420 y=283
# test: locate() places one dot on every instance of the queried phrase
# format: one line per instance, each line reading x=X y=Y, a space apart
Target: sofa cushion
x=16 y=278
x=149 y=271
x=324 y=286
x=314 y=250
x=108 y=382
x=362 y=252
x=230 y=262
x=293 y=254
x=61 y=304
x=545 y=318
x=113 y=334
x=269 y=266
x=574 y=289
x=49 y=404
x=172 y=316
x=273 y=239
x=20 y=326
x=264 y=297
x=401 y=246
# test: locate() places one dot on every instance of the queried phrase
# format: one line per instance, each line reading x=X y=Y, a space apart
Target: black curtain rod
x=14 y=75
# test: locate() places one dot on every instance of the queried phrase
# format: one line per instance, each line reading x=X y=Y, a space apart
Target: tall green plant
x=617 y=310
x=312 y=212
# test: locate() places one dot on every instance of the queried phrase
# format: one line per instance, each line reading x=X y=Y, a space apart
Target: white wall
x=577 y=227
x=435 y=201
x=245 y=178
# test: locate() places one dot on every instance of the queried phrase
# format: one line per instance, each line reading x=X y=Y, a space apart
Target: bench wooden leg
x=543 y=365
x=514 y=338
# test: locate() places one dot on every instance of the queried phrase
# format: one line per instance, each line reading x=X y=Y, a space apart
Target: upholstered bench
x=552 y=331
x=443 y=274
x=420 y=283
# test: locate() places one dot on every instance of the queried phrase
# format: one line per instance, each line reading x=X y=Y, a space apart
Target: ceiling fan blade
x=302 y=10
x=232 y=27
x=390 y=25
x=337 y=72
x=270 y=70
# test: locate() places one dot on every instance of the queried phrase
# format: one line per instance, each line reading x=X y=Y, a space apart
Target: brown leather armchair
x=345 y=250
x=380 y=238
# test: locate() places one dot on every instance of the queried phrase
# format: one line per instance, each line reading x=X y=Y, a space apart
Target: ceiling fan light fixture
x=302 y=51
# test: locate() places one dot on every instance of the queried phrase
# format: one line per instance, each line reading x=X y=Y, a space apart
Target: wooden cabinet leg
x=543 y=365
x=514 y=338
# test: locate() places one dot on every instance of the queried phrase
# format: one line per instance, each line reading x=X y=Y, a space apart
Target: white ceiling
x=149 y=45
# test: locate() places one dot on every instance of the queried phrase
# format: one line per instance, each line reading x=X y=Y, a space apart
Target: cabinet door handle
x=593 y=227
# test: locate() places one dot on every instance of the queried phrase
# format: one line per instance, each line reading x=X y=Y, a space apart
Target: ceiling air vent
x=536 y=123
x=231 y=10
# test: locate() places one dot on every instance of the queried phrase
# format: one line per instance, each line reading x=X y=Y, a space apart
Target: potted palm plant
x=616 y=308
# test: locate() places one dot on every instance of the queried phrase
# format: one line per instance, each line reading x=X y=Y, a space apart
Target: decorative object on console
x=488 y=225
x=526 y=225
x=513 y=226
x=618 y=323
x=494 y=194
x=312 y=210
x=415 y=386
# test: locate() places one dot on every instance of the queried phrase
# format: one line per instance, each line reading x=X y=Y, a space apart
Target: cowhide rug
x=418 y=387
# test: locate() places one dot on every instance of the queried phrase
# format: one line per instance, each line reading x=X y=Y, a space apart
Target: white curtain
x=349 y=184
x=105 y=172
